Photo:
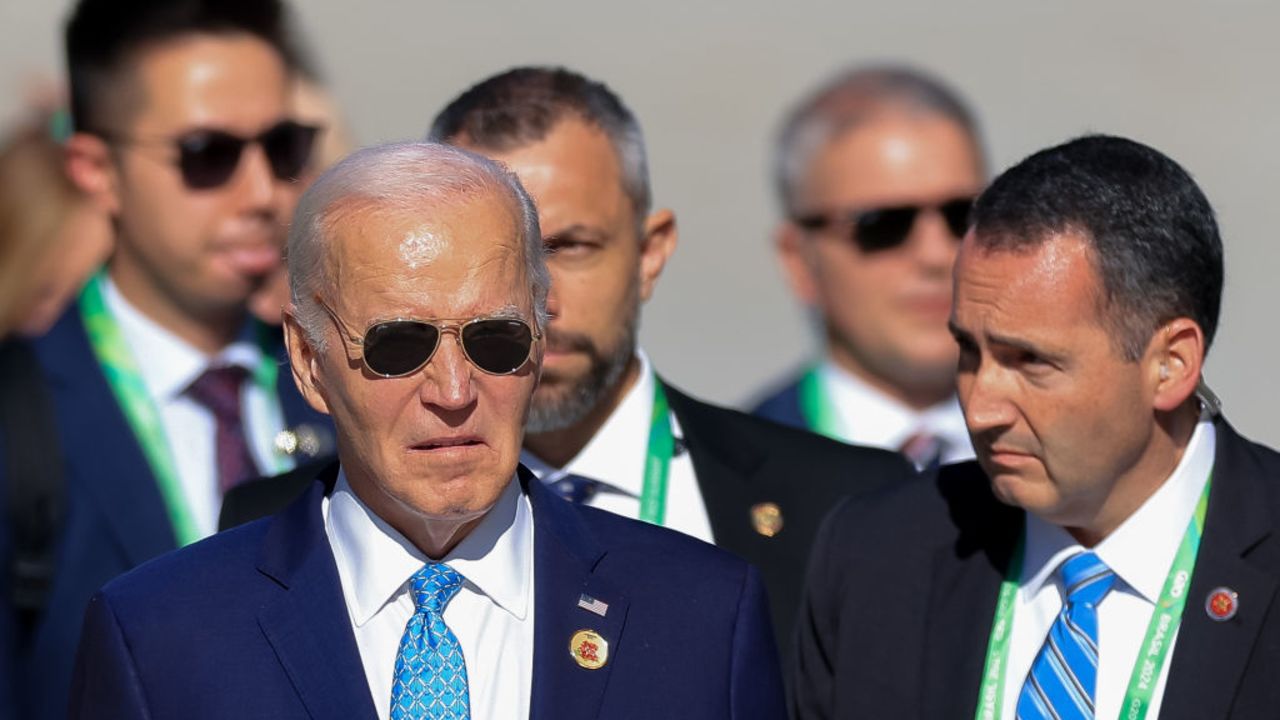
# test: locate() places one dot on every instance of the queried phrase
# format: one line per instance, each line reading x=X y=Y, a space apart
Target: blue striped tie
x=431 y=677
x=1064 y=676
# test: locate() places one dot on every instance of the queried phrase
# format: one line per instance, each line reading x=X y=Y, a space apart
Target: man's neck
x=207 y=332
x=918 y=397
x=1154 y=468
x=558 y=447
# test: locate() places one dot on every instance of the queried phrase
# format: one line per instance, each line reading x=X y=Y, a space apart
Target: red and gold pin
x=589 y=650
x=766 y=517
x=1222 y=604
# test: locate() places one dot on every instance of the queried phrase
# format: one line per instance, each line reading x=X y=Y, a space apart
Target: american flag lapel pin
x=590 y=604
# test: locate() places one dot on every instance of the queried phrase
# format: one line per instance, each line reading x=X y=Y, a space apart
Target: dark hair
x=103 y=36
x=1153 y=236
x=522 y=105
x=851 y=98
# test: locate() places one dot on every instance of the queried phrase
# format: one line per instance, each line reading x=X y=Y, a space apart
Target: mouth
x=252 y=259
x=453 y=443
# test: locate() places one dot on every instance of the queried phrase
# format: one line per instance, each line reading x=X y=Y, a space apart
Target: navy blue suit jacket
x=252 y=623
x=115 y=517
x=902 y=592
x=783 y=405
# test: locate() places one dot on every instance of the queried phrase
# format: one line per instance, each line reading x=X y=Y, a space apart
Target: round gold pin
x=589 y=650
x=766 y=517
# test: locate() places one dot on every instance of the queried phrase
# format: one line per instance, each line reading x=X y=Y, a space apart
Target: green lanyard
x=130 y=390
x=816 y=407
x=657 y=465
x=1165 y=619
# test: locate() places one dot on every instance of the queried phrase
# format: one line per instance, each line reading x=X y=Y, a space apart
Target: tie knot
x=218 y=388
x=923 y=448
x=1086 y=579
x=434 y=586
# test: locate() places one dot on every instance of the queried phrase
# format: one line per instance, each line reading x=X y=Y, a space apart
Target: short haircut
x=407 y=177
x=521 y=106
x=850 y=99
x=1151 y=231
x=104 y=36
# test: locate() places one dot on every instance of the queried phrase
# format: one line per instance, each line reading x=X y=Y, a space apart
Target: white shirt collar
x=375 y=561
x=869 y=416
x=616 y=455
x=1142 y=549
x=168 y=364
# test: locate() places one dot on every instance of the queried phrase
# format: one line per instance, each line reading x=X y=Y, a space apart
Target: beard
x=566 y=409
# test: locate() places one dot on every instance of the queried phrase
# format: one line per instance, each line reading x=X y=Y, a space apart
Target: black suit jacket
x=740 y=461
x=901 y=596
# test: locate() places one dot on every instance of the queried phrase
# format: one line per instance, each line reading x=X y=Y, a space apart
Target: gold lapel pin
x=589 y=650
x=766 y=517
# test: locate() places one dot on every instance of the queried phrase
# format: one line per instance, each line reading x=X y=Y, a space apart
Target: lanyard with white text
x=657 y=465
x=130 y=390
x=1165 y=619
x=816 y=406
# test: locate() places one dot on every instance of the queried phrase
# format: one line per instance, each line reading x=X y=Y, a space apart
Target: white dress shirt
x=1140 y=552
x=491 y=615
x=169 y=365
x=616 y=456
x=868 y=416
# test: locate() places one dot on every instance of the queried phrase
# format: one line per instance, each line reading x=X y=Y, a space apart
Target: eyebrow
x=577 y=230
x=1005 y=340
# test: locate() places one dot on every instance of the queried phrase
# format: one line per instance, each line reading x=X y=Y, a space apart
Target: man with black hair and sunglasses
x=156 y=391
x=875 y=174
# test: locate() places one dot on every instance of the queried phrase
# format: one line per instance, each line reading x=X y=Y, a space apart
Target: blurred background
x=710 y=81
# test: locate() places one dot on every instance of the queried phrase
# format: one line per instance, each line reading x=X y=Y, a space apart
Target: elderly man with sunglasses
x=876 y=172
x=155 y=392
x=428 y=575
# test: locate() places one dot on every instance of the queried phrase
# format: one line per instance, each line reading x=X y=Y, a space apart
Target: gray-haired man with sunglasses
x=875 y=173
x=154 y=393
x=427 y=575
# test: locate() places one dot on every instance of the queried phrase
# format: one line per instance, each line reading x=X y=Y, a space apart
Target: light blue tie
x=1064 y=676
x=431 y=677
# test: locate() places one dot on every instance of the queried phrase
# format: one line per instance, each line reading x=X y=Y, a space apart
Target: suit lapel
x=306 y=622
x=565 y=555
x=725 y=474
x=964 y=589
x=95 y=431
x=1210 y=656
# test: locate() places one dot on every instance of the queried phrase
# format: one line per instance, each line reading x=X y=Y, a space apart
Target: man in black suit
x=1113 y=552
x=600 y=431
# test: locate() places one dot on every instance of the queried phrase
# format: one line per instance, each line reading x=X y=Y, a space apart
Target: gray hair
x=402 y=176
x=851 y=98
x=520 y=106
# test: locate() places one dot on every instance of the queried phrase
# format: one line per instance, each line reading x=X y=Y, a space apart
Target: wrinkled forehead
x=460 y=255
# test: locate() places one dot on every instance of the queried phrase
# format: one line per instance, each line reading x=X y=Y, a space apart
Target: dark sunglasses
x=886 y=228
x=395 y=348
x=208 y=158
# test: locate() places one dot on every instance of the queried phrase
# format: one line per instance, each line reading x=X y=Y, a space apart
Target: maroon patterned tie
x=218 y=389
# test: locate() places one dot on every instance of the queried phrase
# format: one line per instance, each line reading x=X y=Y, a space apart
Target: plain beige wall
x=709 y=80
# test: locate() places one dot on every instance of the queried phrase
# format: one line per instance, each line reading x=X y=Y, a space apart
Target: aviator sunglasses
x=207 y=158
x=886 y=228
x=395 y=348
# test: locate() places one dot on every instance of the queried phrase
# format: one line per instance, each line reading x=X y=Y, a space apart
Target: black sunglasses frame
x=458 y=328
x=208 y=158
x=884 y=228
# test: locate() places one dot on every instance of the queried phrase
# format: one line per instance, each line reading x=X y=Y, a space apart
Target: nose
x=932 y=245
x=255 y=184
x=447 y=381
x=985 y=398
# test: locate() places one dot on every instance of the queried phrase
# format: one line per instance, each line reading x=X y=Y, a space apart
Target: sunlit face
x=203 y=251
x=592 y=233
x=443 y=442
x=885 y=312
x=1058 y=417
